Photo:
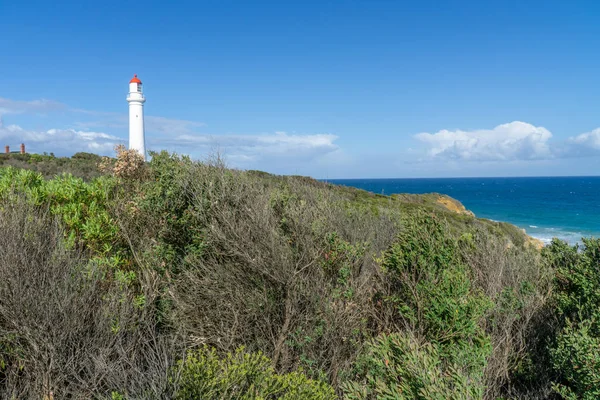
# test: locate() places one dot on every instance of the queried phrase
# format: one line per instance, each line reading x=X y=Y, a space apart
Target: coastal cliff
x=454 y=205
x=457 y=207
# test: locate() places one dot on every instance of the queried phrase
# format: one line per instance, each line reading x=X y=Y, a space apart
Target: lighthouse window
x=139 y=87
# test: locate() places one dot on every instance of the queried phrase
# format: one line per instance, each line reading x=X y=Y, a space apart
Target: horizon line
x=463 y=177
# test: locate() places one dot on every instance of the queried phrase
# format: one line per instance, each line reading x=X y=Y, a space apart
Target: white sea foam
x=546 y=234
x=545 y=240
x=569 y=237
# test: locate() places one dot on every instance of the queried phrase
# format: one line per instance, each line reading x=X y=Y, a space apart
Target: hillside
x=86 y=167
x=180 y=279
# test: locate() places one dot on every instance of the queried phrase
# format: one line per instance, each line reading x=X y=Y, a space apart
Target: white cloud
x=58 y=141
x=513 y=141
x=242 y=149
x=588 y=140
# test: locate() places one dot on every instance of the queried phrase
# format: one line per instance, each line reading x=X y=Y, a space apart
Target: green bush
x=577 y=356
x=240 y=375
x=432 y=293
x=575 y=353
x=577 y=279
x=83 y=207
x=432 y=297
x=398 y=367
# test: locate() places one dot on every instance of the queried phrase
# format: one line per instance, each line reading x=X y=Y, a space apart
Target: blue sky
x=331 y=89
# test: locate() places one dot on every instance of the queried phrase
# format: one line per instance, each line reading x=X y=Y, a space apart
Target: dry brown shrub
x=65 y=330
x=519 y=285
x=260 y=280
x=129 y=164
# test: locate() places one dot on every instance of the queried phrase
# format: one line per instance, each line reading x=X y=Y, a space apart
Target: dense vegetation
x=81 y=165
x=187 y=280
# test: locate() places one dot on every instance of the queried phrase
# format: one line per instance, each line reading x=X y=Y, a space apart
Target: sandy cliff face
x=537 y=243
x=453 y=205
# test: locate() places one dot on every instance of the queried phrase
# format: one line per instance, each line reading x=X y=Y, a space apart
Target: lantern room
x=135 y=85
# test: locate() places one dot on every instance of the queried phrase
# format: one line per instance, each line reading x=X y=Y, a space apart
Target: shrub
x=575 y=352
x=129 y=164
x=431 y=291
x=577 y=279
x=434 y=302
x=576 y=355
x=240 y=375
x=296 y=275
x=64 y=328
x=398 y=366
x=519 y=285
x=82 y=207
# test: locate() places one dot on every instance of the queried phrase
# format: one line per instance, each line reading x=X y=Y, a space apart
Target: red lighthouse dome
x=135 y=79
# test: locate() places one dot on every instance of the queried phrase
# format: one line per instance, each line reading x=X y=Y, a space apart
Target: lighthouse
x=136 y=101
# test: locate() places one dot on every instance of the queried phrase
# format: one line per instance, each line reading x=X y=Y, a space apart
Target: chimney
x=22 y=148
x=6 y=149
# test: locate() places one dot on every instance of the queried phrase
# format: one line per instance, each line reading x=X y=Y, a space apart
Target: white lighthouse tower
x=136 y=101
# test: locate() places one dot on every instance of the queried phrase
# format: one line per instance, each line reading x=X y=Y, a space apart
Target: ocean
x=564 y=207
